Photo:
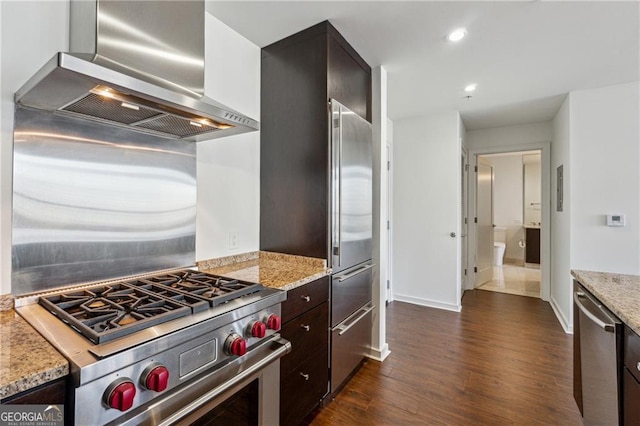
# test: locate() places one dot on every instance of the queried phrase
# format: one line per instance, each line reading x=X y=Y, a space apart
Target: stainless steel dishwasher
x=600 y=354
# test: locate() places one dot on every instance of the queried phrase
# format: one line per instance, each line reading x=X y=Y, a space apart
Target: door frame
x=545 y=232
x=489 y=272
x=464 y=221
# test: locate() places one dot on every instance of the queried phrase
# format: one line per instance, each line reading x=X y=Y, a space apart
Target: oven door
x=248 y=389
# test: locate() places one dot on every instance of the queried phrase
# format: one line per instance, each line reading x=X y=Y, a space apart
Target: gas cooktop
x=109 y=311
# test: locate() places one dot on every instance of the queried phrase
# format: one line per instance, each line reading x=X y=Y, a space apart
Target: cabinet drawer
x=307 y=333
x=303 y=388
x=301 y=299
x=632 y=352
x=631 y=396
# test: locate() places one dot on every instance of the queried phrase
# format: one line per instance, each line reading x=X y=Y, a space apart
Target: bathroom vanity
x=532 y=251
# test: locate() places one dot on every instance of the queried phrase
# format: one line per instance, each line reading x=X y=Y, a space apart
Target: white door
x=389 y=200
x=464 y=222
x=484 y=225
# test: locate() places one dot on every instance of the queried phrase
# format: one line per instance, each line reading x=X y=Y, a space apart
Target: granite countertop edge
x=264 y=268
x=620 y=293
x=27 y=359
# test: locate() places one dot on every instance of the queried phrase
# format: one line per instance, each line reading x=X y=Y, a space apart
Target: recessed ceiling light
x=457 y=35
x=470 y=87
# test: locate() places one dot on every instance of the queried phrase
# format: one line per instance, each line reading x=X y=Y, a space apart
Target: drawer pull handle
x=638 y=366
x=306 y=376
x=305 y=298
x=307 y=328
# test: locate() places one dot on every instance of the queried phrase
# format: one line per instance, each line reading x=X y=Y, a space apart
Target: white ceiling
x=524 y=56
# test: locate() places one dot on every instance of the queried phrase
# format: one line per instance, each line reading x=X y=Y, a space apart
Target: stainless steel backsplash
x=94 y=202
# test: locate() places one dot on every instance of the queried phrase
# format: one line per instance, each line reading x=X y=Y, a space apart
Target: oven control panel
x=139 y=381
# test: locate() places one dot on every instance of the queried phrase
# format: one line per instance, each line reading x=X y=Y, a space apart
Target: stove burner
x=107 y=312
x=216 y=290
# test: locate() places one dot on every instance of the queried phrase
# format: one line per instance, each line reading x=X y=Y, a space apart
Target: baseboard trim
x=427 y=302
x=380 y=354
x=561 y=318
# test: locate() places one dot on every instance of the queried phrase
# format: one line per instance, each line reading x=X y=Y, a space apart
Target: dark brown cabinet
x=298 y=77
x=532 y=251
x=304 y=373
x=48 y=393
x=631 y=378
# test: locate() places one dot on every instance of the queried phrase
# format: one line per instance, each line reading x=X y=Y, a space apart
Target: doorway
x=510 y=203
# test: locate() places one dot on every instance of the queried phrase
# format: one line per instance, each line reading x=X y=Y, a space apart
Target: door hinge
x=475 y=269
x=388 y=284
x=336 y=122
x=475 y=220
x=475 y=168
x=465 y=220
x=465 y=272
x=388 y=225
x=388 y=165
x=466 y=167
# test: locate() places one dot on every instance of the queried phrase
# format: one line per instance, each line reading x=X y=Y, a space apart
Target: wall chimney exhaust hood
x=138 y=64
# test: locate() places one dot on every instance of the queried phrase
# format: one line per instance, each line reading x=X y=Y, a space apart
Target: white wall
x=31 y=33
x=532 y=196
x=229 y=168
x=605 y=178
x=597 y=140
x=560 y=297
x=508 y=201
x=426 y=209
x=523 y=134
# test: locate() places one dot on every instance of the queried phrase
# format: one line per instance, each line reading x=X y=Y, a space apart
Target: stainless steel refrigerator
x=351 y=240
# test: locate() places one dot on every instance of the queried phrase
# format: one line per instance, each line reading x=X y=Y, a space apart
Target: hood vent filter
x=106 y=104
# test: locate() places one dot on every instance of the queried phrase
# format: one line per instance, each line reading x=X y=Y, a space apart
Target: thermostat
x=615 y=220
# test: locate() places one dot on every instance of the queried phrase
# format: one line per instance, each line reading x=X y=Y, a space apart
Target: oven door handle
x=283 y=349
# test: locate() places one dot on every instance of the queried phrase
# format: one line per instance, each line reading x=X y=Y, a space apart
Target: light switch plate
x=615 y=220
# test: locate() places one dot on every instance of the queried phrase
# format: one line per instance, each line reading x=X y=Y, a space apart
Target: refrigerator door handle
x=344 y=327
x=339 y=222
x=341 y=278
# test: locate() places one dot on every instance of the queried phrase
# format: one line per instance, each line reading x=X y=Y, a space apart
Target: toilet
x=499 y=244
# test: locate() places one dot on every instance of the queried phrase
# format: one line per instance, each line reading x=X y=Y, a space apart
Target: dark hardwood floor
x=503 y=360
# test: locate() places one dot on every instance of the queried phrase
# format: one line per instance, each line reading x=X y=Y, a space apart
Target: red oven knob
x=235 y=345
x=120 y=394
x=258 y=329
x=273 y=322
x=156 y=378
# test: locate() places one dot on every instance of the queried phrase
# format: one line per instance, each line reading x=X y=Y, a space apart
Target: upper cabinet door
x=349 y=78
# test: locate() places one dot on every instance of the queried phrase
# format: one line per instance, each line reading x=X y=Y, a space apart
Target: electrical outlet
x=233 y=240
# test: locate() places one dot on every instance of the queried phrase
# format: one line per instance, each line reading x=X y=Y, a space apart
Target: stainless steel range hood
x=138 y=64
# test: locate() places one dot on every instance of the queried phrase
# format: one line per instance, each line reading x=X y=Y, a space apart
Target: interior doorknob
x=453 y=234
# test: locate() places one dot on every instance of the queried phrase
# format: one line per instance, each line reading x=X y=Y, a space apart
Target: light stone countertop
x=27 y=360
x=276 y=270
x=619 y=293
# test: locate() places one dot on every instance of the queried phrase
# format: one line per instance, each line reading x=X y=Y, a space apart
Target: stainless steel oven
x=177 y=347
x=245 y=392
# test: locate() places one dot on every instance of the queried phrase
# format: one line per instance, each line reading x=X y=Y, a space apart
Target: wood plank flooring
x=503 y=360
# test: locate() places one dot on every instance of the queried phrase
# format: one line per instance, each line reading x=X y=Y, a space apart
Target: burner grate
x=105 y=313
x=109 y=311
x=214 y=289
